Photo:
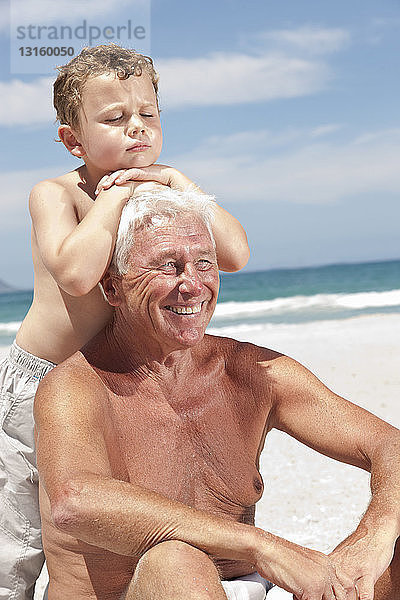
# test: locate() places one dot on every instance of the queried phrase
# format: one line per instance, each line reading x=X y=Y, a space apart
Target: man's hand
x=307 y=574
x=362 y=558
x=158 y=173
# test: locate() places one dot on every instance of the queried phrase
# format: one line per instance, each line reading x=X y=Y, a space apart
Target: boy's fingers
x=102 y=183
x=151 y=173
x=107 y=181
x=133 y=174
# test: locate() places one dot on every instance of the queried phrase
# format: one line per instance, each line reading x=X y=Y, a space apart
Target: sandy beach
x=309 y=498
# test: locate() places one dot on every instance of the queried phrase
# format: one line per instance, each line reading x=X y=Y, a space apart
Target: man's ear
x=110 y=289
x=70 y=141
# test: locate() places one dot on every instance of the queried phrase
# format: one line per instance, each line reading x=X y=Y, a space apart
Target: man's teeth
x=185 y=310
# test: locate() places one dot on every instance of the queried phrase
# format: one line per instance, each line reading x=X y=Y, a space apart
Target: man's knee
x=173 y=555
x=175 y=570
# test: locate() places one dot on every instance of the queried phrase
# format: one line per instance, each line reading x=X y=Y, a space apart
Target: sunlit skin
x=149 y=440
x=75 y=216
x=174 y=268
x=119 y=124
x=115 y=116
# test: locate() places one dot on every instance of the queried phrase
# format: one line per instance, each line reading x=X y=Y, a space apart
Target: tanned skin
x=149 y=441
x=75 y=216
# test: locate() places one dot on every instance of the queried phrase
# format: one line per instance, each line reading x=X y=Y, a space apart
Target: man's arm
x=76 y=254
x=307 y=410
x=230 y=238
x=89 y=503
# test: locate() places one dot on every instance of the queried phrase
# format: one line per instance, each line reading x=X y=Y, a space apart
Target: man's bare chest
x=202 y=451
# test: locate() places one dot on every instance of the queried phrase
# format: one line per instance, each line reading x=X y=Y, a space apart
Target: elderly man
x=149 y=440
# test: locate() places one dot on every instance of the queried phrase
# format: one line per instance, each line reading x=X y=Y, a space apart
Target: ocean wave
x=8 y=328
x=327 y=302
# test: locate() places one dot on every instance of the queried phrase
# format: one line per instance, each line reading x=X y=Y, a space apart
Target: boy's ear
x=110 y=289
x=70 y=141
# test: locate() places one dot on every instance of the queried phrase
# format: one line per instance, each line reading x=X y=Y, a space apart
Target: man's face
x=119 y=123
x=171 y=288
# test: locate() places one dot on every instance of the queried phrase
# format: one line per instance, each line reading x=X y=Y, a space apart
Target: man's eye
x=170 y=263
x=203 y=263
x=145 y=115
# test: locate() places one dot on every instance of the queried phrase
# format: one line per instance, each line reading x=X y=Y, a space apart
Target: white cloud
x=323 y=130
x=295 y=167
x=218 y=79
x=315 y=40
x=224 y=78
x=233 y=78
x=291 y=166
x=26 y=103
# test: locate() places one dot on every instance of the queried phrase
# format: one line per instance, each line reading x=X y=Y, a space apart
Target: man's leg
x=175 y=571
x=388 y=586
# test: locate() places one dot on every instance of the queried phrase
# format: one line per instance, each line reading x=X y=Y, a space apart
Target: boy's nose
x=136 y=125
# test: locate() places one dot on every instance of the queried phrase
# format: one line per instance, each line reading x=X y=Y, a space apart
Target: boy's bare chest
x=200 y=450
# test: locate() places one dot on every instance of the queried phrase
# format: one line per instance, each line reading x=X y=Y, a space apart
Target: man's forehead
x=174 y=238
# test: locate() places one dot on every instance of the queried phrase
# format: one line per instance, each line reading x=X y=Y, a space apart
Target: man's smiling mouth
x=185 y=310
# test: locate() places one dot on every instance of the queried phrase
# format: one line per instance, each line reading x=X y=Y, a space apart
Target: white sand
x=309 y=498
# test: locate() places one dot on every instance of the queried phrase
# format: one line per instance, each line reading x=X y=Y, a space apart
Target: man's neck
x=117 y=350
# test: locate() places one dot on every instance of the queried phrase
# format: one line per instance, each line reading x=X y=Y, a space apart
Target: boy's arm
x=233 y=250
x=76 y=253
x=230 y=238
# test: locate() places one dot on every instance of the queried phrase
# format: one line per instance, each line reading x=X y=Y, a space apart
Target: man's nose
x=136 y=125
x=190 y=282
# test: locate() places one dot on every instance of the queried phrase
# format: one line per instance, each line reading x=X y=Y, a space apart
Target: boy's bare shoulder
x=65 y=188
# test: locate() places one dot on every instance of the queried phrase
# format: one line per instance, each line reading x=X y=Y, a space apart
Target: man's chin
x=191 y=337
x=185 y=338
x=183 y=331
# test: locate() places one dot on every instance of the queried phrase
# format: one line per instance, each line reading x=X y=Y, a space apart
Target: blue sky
x=286 y=111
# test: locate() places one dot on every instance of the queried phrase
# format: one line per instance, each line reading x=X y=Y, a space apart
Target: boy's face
x=119 y=123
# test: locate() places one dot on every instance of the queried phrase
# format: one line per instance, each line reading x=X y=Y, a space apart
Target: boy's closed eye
x=121 y=117
x=113 y=119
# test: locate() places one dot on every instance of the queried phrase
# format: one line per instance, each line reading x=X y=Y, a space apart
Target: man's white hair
x=154 y=207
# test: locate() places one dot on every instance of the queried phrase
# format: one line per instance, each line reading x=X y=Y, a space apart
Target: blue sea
x=274 y=296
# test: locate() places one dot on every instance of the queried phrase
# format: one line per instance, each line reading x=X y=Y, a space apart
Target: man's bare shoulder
x=242 y=358
x=255 y=364
x=71 y=381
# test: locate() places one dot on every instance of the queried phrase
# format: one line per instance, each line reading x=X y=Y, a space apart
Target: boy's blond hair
x=92 y=62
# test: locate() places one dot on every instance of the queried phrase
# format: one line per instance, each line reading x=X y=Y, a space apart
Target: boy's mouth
x=139 y=147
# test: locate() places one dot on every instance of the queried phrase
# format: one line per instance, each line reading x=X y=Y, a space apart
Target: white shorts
x=253 y=587
x=21 y=555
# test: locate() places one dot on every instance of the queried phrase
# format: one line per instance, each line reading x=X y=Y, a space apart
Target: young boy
x=106 y=102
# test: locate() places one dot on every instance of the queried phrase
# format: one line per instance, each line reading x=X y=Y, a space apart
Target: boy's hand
x=232 y=250
x=158 y=173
